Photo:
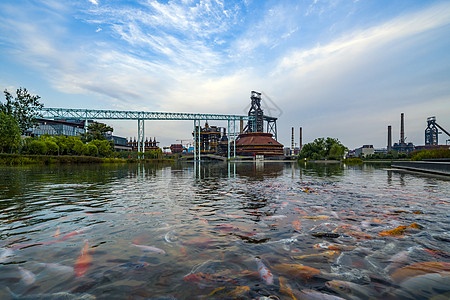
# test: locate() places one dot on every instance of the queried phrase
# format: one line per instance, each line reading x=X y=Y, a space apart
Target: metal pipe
x=402 y=129
x=301 y=141
x=292 y=142
x=195 y=140
x=389 y=145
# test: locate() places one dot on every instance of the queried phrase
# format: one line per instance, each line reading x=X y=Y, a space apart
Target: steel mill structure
x=253 y=141
x=432 y=132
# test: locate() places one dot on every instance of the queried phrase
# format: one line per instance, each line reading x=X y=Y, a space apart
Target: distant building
x=176 y=148
x=381 y=150
x=364 y=150
x=431 y=147
x=120 y=143
x=403 y=147
x=56 y=127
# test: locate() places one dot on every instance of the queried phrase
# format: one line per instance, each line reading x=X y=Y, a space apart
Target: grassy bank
x=16 y=159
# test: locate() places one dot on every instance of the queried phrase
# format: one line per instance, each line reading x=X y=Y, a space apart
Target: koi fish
x=226 y=227
x=71 y=234
x=295 y=270
x=421 y=268
x=264 y=272
x=296 y=225
x=350 y=290
x=206 y=278
x=57 y=267
x=224 y=292
x=150 y=249
x=333 y=246
x=325 y=254
x=6 y=254
x=300 y=211
x=277 y=217
x=57 y=233
x=316 y=217
x=314 y=295
x=27 y=276
x=400 y=230
x=83 y=261
x=285 y=288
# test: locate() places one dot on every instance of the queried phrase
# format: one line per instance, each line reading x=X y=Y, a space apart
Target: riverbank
x=432 y=167
x=17 y=159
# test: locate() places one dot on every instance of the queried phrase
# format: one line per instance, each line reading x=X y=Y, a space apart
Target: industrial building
x=213 y=140
x=56 y=127
x=148 y=144
x=253 y=140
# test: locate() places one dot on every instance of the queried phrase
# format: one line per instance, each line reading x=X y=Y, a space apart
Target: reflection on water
x=223 y=231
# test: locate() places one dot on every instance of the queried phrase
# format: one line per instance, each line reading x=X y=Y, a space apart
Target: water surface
x=184 y=231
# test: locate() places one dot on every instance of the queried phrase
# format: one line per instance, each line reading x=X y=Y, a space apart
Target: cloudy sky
x=337 y=68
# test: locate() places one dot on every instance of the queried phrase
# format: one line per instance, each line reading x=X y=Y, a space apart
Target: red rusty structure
x=254 y=141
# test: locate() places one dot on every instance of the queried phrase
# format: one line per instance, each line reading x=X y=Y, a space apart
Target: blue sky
x=343 y=69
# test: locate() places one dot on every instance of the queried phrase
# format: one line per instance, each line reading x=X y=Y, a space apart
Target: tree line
x=18 y=114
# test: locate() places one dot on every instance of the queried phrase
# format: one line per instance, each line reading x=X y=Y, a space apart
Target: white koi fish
x=150 y=249
x=27 y=276
x=6 y=253
x=264 y=272
x=57 y=267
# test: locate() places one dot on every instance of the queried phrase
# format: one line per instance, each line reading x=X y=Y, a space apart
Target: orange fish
x=83 y=261
x=297 y=225
x=300 y=211
x=400 y=230
x=294 y=270
x=421 y=268
x=71 y=234
x=285 y=288
x=206 y=278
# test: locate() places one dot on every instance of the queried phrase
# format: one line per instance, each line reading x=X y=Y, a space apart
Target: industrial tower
x=432 y=132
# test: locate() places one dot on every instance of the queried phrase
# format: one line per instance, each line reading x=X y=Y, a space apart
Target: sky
x=337 y=68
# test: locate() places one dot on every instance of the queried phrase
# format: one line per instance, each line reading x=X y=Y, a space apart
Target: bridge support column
x=140 y=141
x=229 y=139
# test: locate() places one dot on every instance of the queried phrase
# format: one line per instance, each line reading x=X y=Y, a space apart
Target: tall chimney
x=292 y=142
x=389 y=145
x=301 y=141
x=402 y=129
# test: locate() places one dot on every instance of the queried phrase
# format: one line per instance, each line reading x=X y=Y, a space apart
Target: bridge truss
x=140 y=116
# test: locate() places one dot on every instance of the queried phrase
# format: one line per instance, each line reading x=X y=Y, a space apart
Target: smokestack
x=292 y=142
x=389 y=145
x=402 y=129
x=301 y=141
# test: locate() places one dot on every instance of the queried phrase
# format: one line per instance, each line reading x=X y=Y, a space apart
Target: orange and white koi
x=264 y=272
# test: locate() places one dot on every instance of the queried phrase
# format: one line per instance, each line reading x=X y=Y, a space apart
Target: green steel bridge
x=141 y=116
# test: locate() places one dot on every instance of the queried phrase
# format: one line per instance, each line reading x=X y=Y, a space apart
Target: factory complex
x=257 y=139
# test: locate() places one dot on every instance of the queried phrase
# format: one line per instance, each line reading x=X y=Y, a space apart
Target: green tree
x=79 y=148
x=96 y=131
x=321 y=148
x=91 y=150
x=37 y=147
x=52 y=147
x=103 y=146
x=23 y=107
x=9 y=133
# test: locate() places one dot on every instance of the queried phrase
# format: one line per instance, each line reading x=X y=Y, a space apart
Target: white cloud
x=95 y=2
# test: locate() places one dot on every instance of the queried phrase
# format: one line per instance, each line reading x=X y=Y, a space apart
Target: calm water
x=223 y=231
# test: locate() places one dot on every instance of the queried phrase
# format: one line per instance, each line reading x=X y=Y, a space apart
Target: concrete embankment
x=433 y=167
